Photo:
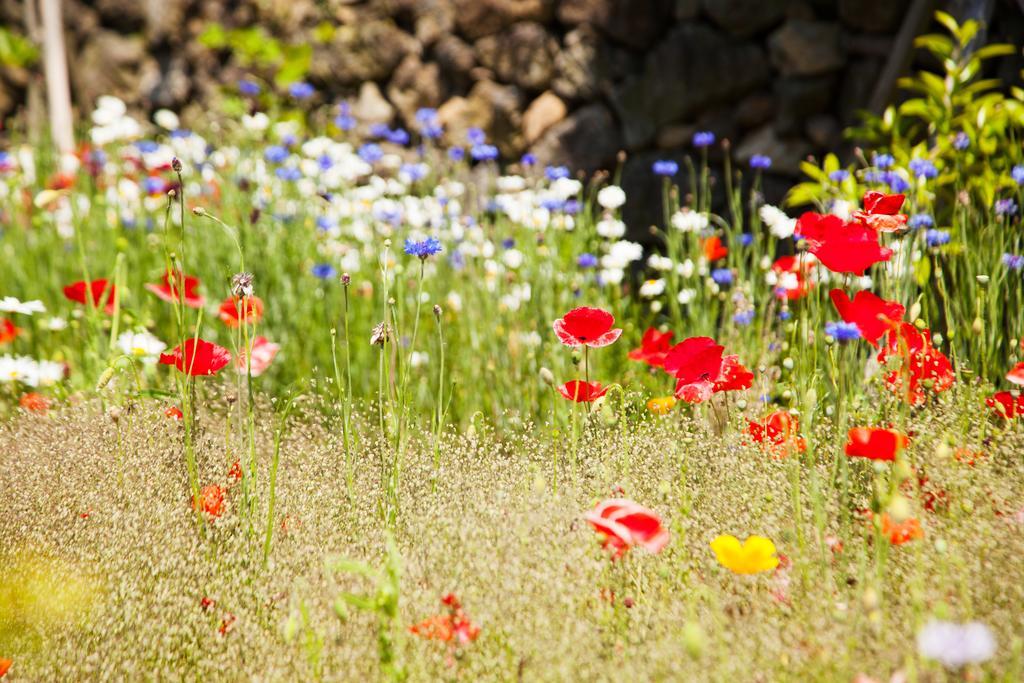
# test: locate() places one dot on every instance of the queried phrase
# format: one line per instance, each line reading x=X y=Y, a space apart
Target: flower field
x=293 y=397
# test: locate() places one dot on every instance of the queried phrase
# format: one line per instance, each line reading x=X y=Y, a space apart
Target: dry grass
x=130 y=576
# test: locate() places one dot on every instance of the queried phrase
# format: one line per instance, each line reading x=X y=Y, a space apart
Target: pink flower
x=623 y=524
x=263 y=353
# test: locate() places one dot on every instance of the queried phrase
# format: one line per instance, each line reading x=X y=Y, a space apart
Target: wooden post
x=903 y=50
x=58 y=91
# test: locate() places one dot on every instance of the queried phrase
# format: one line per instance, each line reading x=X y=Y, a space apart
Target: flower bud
x=547 y=377
x=176 y=165
x=977 y=327
x=437 y=311
x=105 y=378
x=346 y=279
x=198 y=211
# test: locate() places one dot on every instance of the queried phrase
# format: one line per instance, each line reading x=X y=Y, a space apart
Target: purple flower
x=301 y=90
x=587 y=261
x=665 y=167
x=370 y=152
x=1017 y=173
x=1013 y=261
x=528 y=159
x=483 y=152
x=722 y=276
x=1006 y=207
x=424 y=248
x=883 y=161
x=937 y=238
x=456 y=153
x=475 y=136
x=556 y=172
x=398 y=136
x=923 y=168
x=842 y=331
x=289 y=173
x=275 y=154
x=962 y=141
x=324 y=271
x=248 y=87
x=703 y=138
x=839 y=176
x=921 y=220
x=760 y=162
x=344 y=120
x=744 y=317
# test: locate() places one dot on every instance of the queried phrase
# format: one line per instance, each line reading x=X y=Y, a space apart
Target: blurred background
x=571 y=81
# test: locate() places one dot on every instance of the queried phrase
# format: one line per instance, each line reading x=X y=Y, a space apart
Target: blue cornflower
x=1013 y=261
x=528 y=159
x=249 y=87
x=289 y=173
x=423 y=249
x=897 y=183
x=324 y=271
x=746 y=239
x=398 y=136
x=839 y=176
x=379 y=130
x=665 y=167
x=1017 y=173
x=153 y=185
x=785 y=314
x=370 y=152
x=508 y=243
x=586 y=261
x=552 y=203
x=962 y=141
x=921 y=220
x=883 y=161
x=301 y=90
x=326 y=223
x=722 y=276
x=842 y=331
x=344 y=120
x=703 y=138
x=146 y=146
x=1006 y=207
x=456 y=154
x=475 y=136
x=275 y=154
x=760 y=162
x=936 y=238
x=181 y=133
x=923 y=168
x=425 y=115
x=483 y=152
x=571 y=207
x=414 y=171
x=556 y=172
x=744 y=317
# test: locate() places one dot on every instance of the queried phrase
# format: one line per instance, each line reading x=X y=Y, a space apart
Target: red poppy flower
x=778 y=433
x=210 y=500
x=186 y=284
x=80 y=292
x=7 y=331
x=875 y=443
x=701 y=370
x=841 y=247
x=623 y=524
x=235 y=309
x=263 y=353
x=235 y=473
x=873 y=315
x=34 y=403
x=227 y=624
x=200 y=358
x=174 y=413
x=881 y=211
x=582 y=392
x=1006 y=404
x=60 y=181
x=5 y=666
x=714 y=249
x=792 y=274
x=922 y=366
x=901 y=532
x=653 y=347
x=586 y=326
x=1016 y=375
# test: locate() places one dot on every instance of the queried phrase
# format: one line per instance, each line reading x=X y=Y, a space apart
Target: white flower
x=779 y=224
x=566 y=188
x=511 y=183
x=652 y=288
x=29 y=371
x=687 y=220
x=611 y=197
x=513 y=258
x=257 y=123
x=842 y=208
x=611 y=229
x=529 y=339
x=56 y=324
x=11 y=305
x=418 y=359
x=612 y=276
x=659 y=262
x=956 y=645
x=454 y=301
x=686 y=268
x=140 y=344
x=166 y=119
x=687 y=295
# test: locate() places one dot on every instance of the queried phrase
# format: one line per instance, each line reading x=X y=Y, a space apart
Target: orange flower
x=5 y=666
x=661 y=405
x=901 y=532
x=453 y=627
x=714 y=249
x=234 y=310
x=210 y=500
x=34 y=403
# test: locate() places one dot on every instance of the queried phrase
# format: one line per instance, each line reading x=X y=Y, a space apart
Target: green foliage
x=254 y=47
x=16 y=50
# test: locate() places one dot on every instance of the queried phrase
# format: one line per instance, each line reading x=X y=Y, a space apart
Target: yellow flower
x=757 y=554
x=661 y=405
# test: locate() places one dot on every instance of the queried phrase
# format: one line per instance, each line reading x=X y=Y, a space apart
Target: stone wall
x=573 y=81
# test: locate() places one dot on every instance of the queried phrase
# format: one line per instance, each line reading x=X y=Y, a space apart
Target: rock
x=675 y=135
x=577 y=64
x=173 y=85
x=824 y=132
x=371 y=107
x=744 y=18
x=686 y=10
x=786 y=153
x=124 y=16
x=635 y=23
x=164 y=19
x=356 y=54
x=456 y=59
x=588 y=139
x=434 y=19
x=415 y=85
x=112 y=64
x=543 y=112
x=798 y=99
x=479 y=18
x=754 y=109
x=857 y=85
x=806 y=48
x=874 y=16
x=694 y=68
x=524 y=55
x=494 y=108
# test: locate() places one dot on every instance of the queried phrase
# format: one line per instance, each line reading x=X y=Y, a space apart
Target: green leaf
x=922 y=271
x=803 y=194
